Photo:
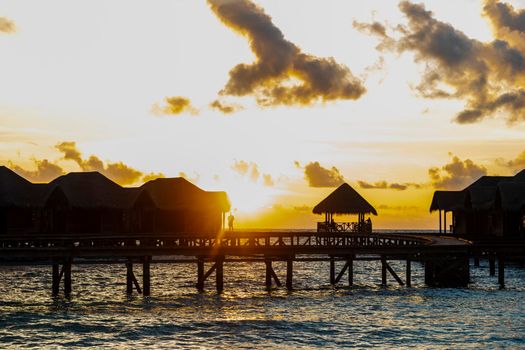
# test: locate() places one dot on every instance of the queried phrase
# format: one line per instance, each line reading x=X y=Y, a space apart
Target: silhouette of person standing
x=230 y=221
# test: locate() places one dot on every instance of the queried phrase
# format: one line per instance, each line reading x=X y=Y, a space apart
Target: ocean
x=314 y=315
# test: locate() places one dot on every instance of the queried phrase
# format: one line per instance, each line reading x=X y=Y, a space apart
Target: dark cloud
x=456 y=174
x=175 y=105
x=118 y=171
x=387 y=185
x=45 y=171
x=7 y=26
x=318 y=176
x=281 y=73
x=488 y=76
x=225 y=107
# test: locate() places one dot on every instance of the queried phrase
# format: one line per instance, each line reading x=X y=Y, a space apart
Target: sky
x=275 y=102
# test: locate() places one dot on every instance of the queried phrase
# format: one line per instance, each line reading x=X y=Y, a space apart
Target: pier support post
x=268 y=282
x=409 y=273
x=67 y=277
x=332 y=270
x=55 y=286
x=129 y=278
x=200 y=274
x=146 y=277
x=476 y=260
x=289 y=273
x=350 y=263
x=383 y=271
x=501 y=271
x=219 y=274
x=492 y=264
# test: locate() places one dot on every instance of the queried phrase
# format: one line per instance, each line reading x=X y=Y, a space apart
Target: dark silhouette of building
x=90 y=203
x=490 y=206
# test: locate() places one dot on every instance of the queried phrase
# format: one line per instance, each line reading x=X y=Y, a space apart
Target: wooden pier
x=446 y=259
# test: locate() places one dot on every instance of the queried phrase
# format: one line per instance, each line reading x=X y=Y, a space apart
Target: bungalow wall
x=177 y=221
x=96 y=221
x=19 y=220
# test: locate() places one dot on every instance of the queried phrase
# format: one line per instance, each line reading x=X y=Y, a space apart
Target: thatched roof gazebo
x=344 y=200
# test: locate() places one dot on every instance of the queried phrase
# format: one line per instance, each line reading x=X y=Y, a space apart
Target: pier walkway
x=445 y=258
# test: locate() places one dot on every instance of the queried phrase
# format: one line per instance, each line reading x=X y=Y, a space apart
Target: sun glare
x=248 y=197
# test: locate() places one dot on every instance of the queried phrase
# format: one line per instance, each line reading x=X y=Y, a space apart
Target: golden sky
x=275 y=102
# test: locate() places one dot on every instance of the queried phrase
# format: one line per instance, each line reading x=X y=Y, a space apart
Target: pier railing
x=193 y=244
x=352 y=227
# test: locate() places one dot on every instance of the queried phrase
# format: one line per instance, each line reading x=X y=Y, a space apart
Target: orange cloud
x=175 y=105
x=224 y=107
x=281 y=73
x=7 y=26
x=117 y=171
x=456 y=174
x=45 y=171
x=386 y=185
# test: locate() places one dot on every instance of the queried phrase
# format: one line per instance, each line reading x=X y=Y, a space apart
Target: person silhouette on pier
x=230 y=221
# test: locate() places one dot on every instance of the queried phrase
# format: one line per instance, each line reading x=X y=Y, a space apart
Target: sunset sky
x=275 y=102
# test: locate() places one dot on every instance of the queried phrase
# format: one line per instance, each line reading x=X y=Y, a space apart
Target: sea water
x=314 y=315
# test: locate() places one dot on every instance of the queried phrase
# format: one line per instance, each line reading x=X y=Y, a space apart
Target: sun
x=247 y=196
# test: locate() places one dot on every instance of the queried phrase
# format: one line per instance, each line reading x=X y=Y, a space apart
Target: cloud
x=152 y=176
x=456 y=174
x=397 y=207
x=45 y=171
x=118 y=171
x=224 y=107
x=517 y=163
x=175 y=105
x=488 y=76
x=507 y=23
x=244 y=168
x=7 y=26
x=281 y=73
x=386 y=185
x=303 y=208
x=268 y=180
x=318 y=176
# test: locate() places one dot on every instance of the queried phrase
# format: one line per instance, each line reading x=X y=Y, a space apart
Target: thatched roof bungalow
x=344 y=200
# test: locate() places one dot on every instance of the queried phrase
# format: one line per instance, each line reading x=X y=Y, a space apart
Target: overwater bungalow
x=26 y=207
x=491 y=206
x=344 y=201
x=98 y=205
x=182 y=207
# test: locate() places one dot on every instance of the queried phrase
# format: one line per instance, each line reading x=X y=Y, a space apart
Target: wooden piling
x=289 y=273
x=55 y=286
x=67 y=277
x=383 y=271
x=332 y=270
x=476 y=260
x=350 y=263
x=501 y=271
x=268 y=282
x=492 y=264
x=200 y=274
x=146 y=278
x=408 y=275
x=129 y=278
x=219 y=274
